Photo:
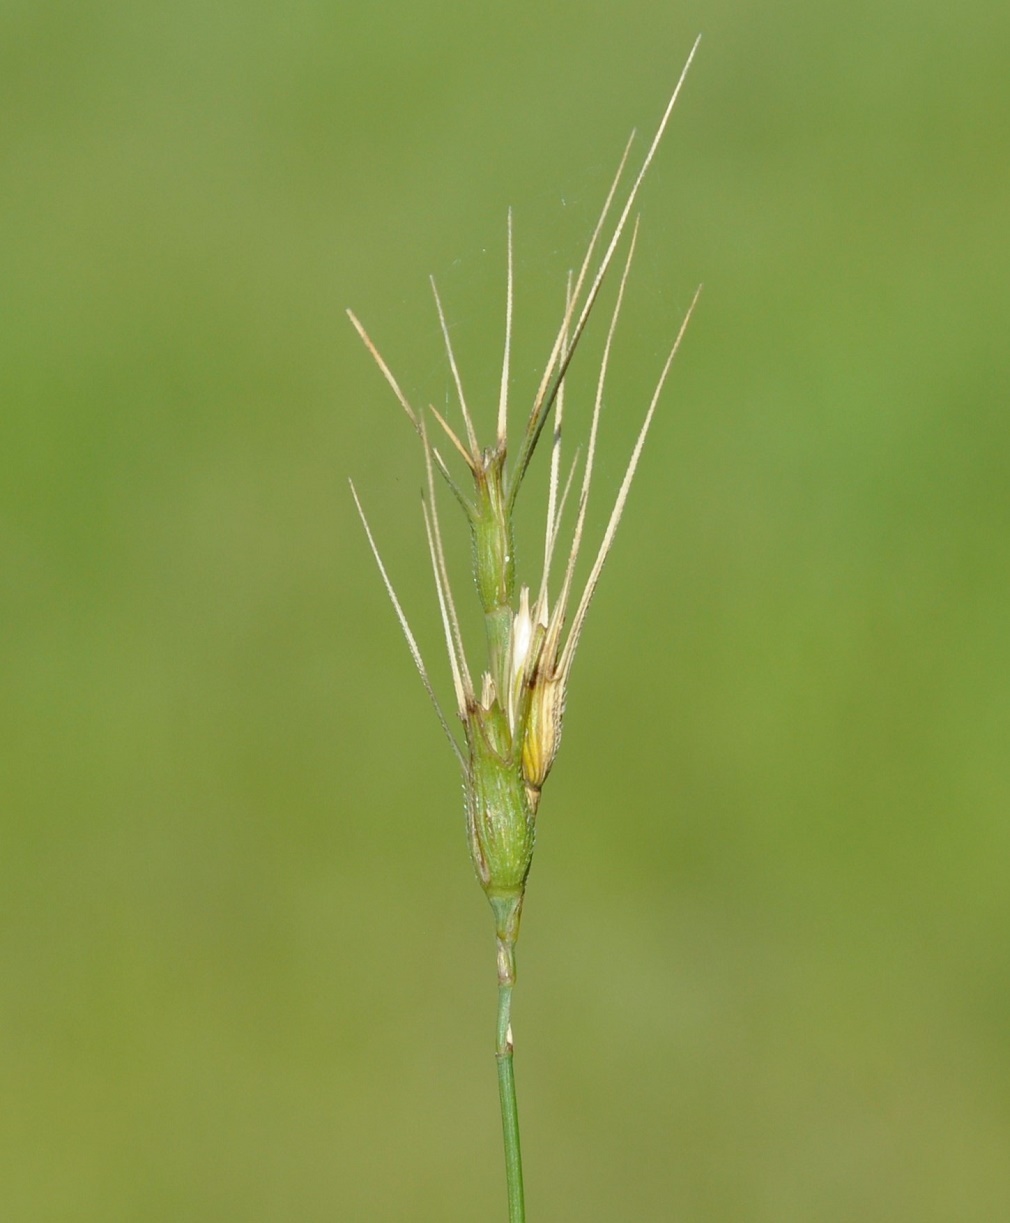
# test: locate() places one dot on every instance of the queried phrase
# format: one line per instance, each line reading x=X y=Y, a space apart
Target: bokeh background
x=245 y=971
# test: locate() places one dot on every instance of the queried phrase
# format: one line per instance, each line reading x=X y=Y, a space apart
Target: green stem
x=507 y=1083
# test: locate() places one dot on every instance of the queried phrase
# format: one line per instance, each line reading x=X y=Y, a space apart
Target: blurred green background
x=245 y=971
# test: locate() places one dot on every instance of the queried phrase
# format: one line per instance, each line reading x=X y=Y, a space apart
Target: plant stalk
x=507 y=1082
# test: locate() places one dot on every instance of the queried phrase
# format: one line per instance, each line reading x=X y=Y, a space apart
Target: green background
x=245 y=971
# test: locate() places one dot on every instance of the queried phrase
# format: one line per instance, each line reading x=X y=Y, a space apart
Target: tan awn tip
x=412 y=645
x=386 y=372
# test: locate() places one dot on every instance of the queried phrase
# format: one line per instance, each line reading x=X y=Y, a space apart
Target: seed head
x=512 y=728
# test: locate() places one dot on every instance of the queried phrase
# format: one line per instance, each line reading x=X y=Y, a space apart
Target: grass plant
x=512 y=714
